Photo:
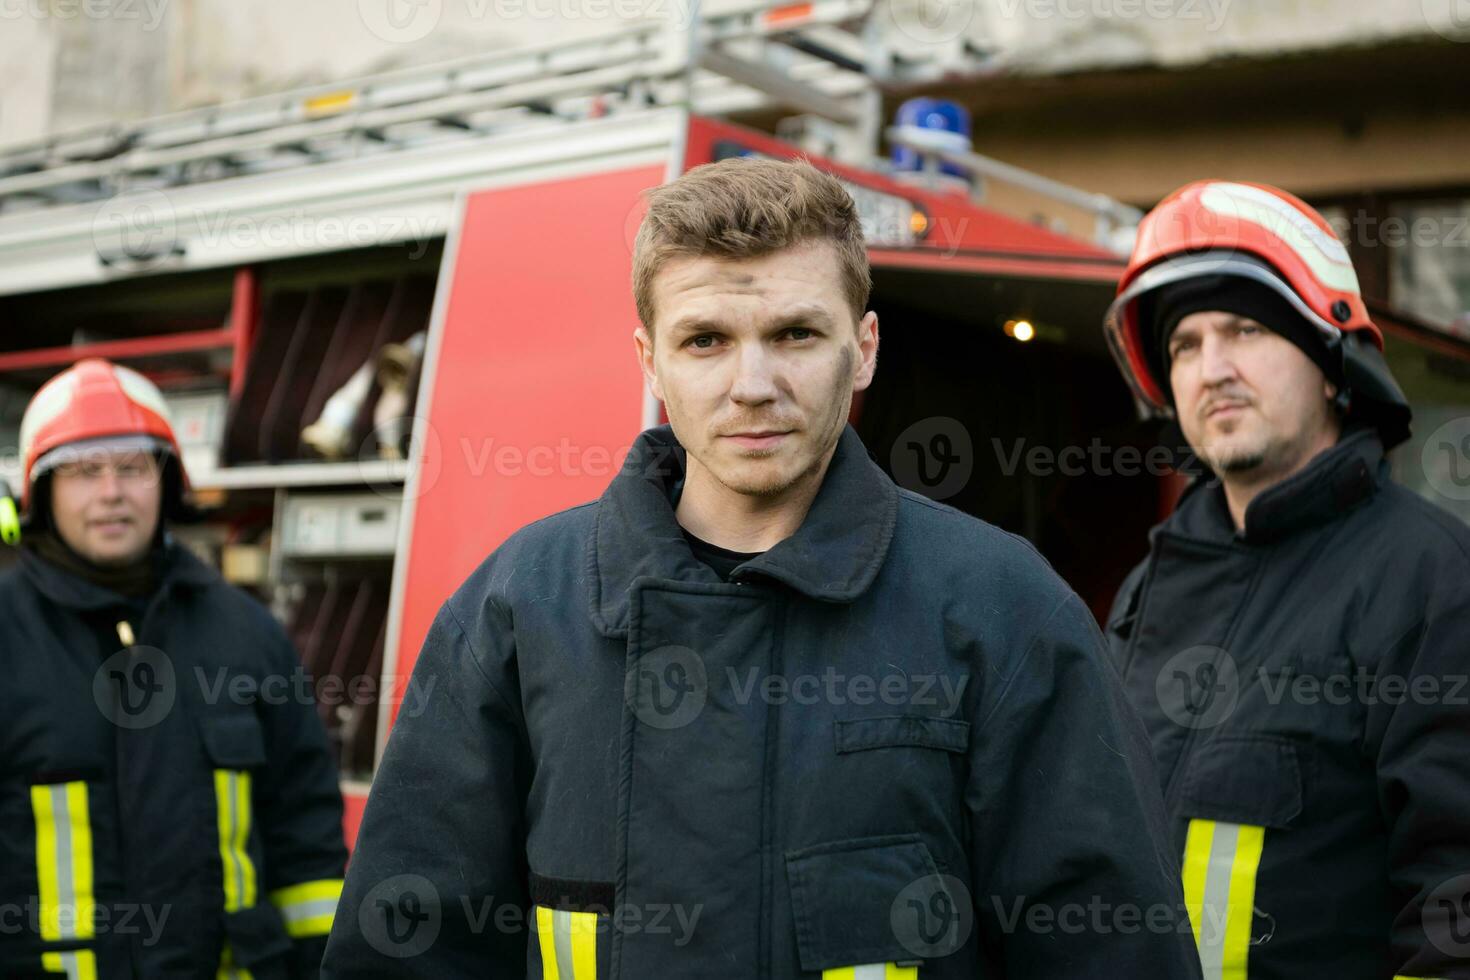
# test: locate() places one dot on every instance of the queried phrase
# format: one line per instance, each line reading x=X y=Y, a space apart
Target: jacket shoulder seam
x=1025 y=659
x=475 y=656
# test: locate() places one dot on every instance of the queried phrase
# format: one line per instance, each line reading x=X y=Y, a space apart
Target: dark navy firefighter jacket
x=891 y=746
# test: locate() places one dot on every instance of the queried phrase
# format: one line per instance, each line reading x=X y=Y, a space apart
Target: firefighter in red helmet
x=1296 y=637
x=167 y=811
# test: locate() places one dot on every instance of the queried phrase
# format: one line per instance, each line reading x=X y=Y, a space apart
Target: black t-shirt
x=722 y=560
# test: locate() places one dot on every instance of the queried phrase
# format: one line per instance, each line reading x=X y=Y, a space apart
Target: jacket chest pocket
x=1239 y=792
x=871 y=908
x=900 y=772
x=255 y=938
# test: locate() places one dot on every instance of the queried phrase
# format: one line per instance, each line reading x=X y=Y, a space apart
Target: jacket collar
x=1333 y=483
x=834 y=555
x=180 y=570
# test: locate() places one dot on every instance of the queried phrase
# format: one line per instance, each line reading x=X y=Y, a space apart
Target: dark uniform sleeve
x=436 y=887
x=299 y=799
x=1070 y=852
x=1419 y=733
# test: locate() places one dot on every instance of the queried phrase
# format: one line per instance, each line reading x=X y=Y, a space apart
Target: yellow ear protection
x=9 y=516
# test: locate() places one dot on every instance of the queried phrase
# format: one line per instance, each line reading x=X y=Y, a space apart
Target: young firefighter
x=757 y=712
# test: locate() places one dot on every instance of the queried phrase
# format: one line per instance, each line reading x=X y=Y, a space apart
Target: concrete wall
x=71 y=63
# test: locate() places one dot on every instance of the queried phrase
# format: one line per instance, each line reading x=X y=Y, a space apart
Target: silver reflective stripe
x=1217 y=900
x=308 y=910
x=561 y=932
x=66 y=896
x=870 y=971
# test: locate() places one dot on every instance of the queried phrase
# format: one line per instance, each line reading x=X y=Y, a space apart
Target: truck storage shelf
x=303 y=475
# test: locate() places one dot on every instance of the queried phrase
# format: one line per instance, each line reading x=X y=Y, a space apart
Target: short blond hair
x=746 y=207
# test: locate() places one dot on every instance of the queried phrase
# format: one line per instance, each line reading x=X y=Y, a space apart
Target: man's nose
x=755 y=379
x=1216 y=363
x=109 y=484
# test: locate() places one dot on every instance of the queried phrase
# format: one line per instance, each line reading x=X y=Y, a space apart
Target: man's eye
x=700 y=341
x=1180 y=348
x=799 y=333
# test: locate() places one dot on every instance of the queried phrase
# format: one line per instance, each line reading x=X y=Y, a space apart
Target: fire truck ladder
x=829 y=60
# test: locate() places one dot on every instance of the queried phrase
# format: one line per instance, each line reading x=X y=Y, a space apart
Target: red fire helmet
x=1256 y=232
x=93 y=404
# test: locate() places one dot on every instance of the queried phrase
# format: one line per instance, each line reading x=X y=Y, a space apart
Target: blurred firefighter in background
x=161 y=813
x=1297 y=636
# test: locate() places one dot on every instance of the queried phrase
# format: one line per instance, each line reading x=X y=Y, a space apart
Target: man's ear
x=643 y=345
x=867 y=336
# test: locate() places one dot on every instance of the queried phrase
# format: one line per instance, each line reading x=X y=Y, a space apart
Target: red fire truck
x=393 y=318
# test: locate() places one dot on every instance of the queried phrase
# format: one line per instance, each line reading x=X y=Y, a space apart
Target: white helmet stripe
x=142 y=391
x=1322 y=252
x=47 y=405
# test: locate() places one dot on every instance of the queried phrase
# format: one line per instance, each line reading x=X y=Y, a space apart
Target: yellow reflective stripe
x=568 y=942
x=872 y=971
x=64 y=861
x=1196 y=863
x=1248 y=845
x=77 y=964
x=584 y=944
x=308 y=908
x=232 y=806
x=892 y=971
x=1220 y=865
x=227 y=969
x=840 y=973
x=548 y=944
